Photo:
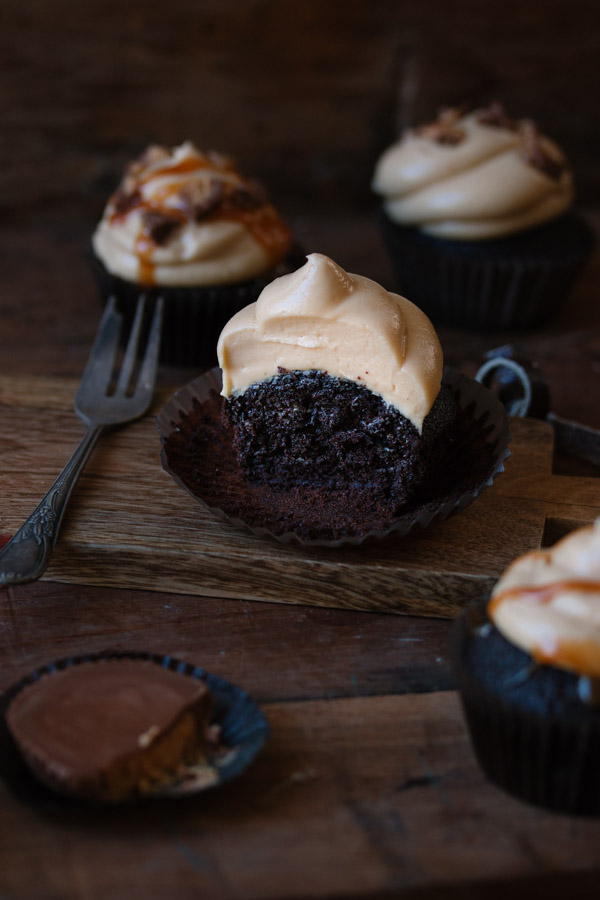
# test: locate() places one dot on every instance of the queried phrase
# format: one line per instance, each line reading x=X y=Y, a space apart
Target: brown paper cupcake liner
x=516 y=284
x=547 y=764
x=197 y=452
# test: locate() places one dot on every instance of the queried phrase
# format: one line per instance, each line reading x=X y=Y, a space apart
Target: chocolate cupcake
x=332 y=382
x=333 y=416
x=528 y=669
x=186 y=225
x=116 y=727
x=478 y=221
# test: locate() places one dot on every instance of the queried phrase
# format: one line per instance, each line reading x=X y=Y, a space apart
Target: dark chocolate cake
x=532 y=734
x=309 y=429
x=198 y=452
x=511 y=675
x=333 y=419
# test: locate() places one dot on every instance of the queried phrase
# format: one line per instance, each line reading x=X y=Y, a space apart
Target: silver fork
x=100 y=404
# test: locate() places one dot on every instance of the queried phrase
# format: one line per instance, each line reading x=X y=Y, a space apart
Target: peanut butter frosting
x=474 y=176
x=320 y=318
x=184 y=218
x=548 y=603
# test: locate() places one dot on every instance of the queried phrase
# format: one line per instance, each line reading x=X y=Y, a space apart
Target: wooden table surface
x=367 y=787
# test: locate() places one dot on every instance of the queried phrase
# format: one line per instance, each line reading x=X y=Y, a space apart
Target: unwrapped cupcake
x=477 y=218
x=334 y=420
x=528 y=668
x=186 y=225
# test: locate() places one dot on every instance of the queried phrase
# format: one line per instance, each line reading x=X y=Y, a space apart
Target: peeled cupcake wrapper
x=243 y=730
x=488 y=414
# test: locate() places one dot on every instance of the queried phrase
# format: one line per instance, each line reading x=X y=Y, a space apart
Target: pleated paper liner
x=193 y=316
x=532 y=734
x=197 y=452
x=242 y=726
x=514 y=283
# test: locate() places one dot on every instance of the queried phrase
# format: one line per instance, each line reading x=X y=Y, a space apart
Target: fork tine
x=132 y=347
x=149 y=365
x=101 y=360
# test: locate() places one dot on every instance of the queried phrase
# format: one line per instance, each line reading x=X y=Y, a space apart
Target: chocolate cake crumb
x=496 y=117
x=536 y=155
x=249 y=196
x=123 y=200
x=220 y=160
x=159 y=226
x=199 y=448
x=153 y=154
x=200 y=198
x=309 y=429
x=444 y=129
x=210 y=201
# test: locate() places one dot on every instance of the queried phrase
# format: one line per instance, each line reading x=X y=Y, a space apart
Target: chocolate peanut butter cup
x=110 y=728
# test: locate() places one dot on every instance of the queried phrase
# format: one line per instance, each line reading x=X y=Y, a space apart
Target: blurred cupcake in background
x=527 y=663
x=184 y=224
x=477 y=218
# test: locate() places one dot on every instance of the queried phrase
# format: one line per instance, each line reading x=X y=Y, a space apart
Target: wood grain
x=129 y=525
x=314 y=651
x=367 y=788
x=305 y=95
x=379 y=794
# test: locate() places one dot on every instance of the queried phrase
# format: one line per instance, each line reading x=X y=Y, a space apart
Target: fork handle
x=27 y=555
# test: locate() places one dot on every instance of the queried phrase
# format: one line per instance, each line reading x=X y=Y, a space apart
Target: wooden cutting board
x=130 y=525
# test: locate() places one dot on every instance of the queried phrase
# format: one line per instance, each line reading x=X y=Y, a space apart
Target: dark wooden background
x=305 y=96
x=368 y=787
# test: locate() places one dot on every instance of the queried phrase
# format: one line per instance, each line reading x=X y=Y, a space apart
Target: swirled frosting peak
x=548 y=603
x=474 y=176
x=322 y=318
x=181 y=217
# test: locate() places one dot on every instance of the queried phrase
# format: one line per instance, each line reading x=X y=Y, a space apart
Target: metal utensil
x=524 y=392
x=104 y=399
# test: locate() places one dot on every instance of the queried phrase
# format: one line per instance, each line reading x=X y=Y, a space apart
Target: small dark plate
x=243 y=731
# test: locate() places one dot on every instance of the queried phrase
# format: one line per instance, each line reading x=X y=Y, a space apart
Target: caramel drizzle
x=183 y=167
x=264 y=223
x=535 y=155
x=445 y=129
x=542 y=593
x=266 y=226
x=144 y=248
x=496 y=116
x=574 y=655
